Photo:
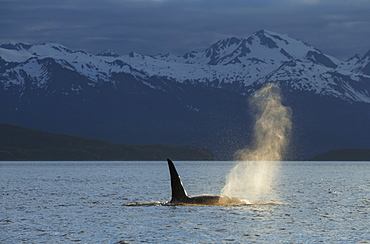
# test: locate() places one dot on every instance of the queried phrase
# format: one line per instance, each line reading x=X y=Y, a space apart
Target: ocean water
x=120 y=202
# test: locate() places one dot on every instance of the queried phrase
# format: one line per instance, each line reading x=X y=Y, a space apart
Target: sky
x=340 y=28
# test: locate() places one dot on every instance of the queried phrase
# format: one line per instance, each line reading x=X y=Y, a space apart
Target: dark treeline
x=344 y=155
x=22 y=144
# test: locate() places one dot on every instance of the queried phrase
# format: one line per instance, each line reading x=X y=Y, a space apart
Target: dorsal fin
x=178 y=191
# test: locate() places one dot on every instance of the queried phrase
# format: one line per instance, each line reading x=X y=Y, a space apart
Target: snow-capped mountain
x=80 y=93
x=258 y=58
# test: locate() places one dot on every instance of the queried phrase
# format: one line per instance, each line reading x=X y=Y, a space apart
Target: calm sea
x=85 y=202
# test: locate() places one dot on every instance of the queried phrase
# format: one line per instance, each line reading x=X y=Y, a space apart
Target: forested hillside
x=18 y=143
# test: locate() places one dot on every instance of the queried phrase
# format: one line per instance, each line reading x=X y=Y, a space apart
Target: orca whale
x=179 y=195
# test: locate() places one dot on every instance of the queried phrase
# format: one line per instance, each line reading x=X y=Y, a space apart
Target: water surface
x=65 y=202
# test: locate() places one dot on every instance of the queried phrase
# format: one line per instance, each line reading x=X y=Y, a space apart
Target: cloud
x=148 y=0
x=307 y=1
x=179 y=26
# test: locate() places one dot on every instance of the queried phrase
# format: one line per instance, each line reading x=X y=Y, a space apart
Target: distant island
x=343 y=155
x=23 y=144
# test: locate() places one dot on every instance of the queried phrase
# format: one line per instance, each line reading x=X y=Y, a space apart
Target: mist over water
x=253 y=178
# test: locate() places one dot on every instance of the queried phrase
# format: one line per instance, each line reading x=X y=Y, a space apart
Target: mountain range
x=200 y=98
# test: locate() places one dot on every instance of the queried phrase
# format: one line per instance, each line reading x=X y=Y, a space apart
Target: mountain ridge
x=199 y=98
x=245 y=61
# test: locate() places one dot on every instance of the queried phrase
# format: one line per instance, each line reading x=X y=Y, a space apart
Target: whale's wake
x=253 y=178
x=241 y=203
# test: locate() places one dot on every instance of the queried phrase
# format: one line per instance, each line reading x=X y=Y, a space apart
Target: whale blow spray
x=253 y=178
